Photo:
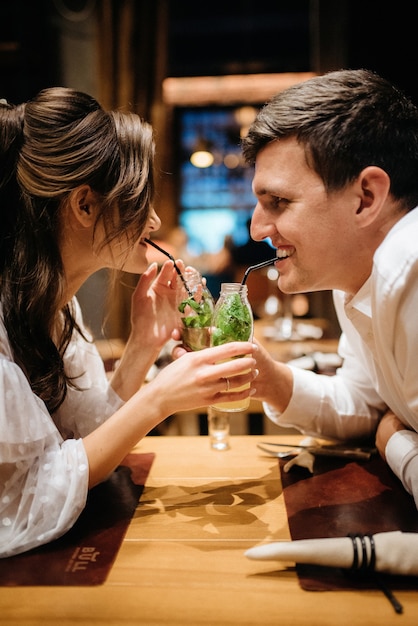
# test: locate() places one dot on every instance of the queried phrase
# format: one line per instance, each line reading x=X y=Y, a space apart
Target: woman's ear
x=375 y=187
x=83 y=205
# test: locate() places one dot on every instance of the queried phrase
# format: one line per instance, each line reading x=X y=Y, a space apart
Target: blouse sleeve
x=92 y=399
x=43 y=464
x=43 y=480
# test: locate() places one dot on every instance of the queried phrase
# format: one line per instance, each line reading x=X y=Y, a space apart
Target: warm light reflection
x=202 y=158
x=245 y=116
x=231 y=161
x=300 y=304
x=233 y=89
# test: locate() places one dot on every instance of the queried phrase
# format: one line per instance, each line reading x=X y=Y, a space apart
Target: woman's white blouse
x=43 y=464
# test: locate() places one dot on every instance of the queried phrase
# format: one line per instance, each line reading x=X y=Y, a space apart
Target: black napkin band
x=367 y=561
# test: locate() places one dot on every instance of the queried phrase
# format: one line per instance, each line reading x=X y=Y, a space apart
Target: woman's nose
x=154 y=220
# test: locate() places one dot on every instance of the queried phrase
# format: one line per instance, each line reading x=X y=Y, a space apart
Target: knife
x=327 y=450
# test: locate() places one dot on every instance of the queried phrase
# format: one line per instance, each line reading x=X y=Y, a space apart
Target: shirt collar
x=361 y=301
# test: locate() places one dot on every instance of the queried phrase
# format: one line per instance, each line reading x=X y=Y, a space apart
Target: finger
x=233 y=395
x=151 y=271
x=233 y=383
x=230 y=350
x=178 y=351
x=176 y=334
x=180 y=265
x=236 y=379
x=168 y=276
x=166 y=273
x=147 y=277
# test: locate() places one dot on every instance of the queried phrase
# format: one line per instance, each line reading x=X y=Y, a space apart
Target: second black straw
x=256 y=267
x=170 y=256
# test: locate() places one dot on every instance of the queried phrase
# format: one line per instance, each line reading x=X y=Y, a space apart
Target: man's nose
x=258 y=228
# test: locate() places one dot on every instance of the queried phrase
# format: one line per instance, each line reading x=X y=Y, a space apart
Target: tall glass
x=232 y=321
x=218 y=429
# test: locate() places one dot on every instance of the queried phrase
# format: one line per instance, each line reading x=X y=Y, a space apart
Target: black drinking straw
x=256 y=267
x=176 y=267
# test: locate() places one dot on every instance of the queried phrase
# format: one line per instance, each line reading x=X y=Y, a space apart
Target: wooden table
x=182 y=560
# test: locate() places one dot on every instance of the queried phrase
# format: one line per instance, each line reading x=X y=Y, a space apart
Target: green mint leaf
x=203 y=313
x=233 y=322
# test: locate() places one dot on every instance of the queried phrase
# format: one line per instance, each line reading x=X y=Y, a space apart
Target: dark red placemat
x=85 y=554
x=340 y=498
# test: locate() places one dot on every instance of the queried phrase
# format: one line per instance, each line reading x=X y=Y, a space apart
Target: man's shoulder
x=396 y=260
x=402 y=240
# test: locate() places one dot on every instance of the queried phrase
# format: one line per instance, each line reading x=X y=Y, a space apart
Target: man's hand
x=388 y=425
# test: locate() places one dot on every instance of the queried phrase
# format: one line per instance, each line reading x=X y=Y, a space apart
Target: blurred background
x=198 y=73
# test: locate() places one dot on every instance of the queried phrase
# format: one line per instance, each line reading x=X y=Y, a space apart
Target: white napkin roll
x=396 y=552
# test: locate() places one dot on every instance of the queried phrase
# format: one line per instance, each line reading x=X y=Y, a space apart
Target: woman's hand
x=274 y=383
x=199 y=379
x=154 y=316
x=154 y=313
x=388 y=426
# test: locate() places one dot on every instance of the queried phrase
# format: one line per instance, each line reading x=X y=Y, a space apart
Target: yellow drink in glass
x=237 y=405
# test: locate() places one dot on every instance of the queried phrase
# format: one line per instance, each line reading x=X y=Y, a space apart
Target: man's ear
x=374 y=184
x=83 y=205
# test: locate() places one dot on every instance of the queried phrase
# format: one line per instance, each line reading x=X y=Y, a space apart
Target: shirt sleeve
x=402 y=457
x=344 y=406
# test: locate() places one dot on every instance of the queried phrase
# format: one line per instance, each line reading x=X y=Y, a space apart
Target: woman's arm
x=195 y=380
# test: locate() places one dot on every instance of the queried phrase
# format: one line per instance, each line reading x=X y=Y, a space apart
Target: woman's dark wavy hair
x=49 y=146
x=346 y=120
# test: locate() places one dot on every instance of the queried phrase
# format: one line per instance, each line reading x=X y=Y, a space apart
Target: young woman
x=76 y=193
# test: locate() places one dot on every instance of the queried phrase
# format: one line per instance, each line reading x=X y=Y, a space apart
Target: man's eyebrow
x=260 y=187
x=266 y=191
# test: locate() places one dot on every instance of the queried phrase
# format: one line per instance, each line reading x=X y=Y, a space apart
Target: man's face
x=314 y=232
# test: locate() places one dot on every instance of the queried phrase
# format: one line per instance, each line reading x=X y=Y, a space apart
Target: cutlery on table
x=355 y=453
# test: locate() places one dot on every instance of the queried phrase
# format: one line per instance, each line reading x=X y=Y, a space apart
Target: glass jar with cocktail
x=196 y=307
x=195 y=304
x=232 y=321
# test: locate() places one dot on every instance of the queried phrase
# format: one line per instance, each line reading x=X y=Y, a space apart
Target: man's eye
x=277 y=202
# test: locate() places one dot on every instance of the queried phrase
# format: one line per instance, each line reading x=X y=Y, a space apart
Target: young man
x=336 y=182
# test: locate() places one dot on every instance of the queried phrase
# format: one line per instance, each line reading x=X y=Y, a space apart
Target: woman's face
x=127 y=255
